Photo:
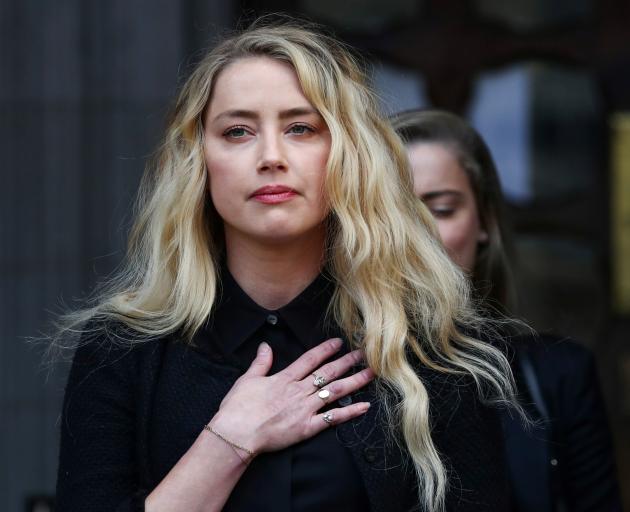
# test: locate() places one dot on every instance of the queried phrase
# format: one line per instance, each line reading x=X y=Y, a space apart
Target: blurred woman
x=566 y=462
x=277 y=250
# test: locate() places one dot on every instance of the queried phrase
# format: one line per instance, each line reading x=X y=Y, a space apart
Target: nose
x=272 y=156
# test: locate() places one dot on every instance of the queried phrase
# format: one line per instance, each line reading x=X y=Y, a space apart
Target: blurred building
x=84 y=87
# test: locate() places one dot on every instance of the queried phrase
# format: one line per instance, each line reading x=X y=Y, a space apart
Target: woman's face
x=266 y=149
x=442 y=184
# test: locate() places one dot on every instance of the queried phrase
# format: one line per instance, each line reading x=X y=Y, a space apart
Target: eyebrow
x=251 y=114
x=435 y=194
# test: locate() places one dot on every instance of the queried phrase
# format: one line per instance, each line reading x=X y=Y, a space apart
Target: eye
x=442 y=213
x=236 y=132
x=300 y=129
x=440 y=209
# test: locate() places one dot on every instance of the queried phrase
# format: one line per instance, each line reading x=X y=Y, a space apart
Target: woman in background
x=277 y=250
x=567 y=462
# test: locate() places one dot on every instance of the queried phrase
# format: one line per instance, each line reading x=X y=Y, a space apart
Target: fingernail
x=263 y=348
x=337 y=342
x=365 y=406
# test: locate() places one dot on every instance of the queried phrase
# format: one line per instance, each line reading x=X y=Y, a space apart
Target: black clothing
x=317 y=474
x=565 y=462
x=131 y=413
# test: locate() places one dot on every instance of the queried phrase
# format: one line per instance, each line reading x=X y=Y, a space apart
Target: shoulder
x=568 y=379
x=556 y=357
x=113 y=349
x=111 y=373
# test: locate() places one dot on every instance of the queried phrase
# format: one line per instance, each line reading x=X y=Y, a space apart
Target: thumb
x=262 y=363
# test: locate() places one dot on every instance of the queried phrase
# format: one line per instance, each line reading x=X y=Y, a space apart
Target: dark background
x=84 y=88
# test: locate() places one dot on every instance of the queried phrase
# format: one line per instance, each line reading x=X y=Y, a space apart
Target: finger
x=307 y=362
x=262 y=362
x=336 y=416
x=333 y=370
x=340 y=388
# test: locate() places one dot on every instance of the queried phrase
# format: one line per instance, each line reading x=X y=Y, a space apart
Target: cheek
x=323 y=200
x=460 y=237
x=313 y=183
x=222 y=187
x=319 y=188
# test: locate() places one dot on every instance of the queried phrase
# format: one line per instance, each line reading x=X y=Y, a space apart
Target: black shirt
x=316 y=474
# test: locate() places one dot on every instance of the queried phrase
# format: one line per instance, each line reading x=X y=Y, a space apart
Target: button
x=554 y=462
x=370 y=454
x=344 y=401
x=272 y=319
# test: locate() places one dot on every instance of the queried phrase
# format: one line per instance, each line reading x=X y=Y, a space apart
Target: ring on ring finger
x=328 y=417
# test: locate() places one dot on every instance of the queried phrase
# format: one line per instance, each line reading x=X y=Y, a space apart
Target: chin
x=282 y=237
x=286 y=234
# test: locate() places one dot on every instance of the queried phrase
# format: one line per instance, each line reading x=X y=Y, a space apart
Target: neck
x=274 y=274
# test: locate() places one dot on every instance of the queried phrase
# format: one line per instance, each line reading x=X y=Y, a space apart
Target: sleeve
x=468 y=435
x=581 y=425
x=97 y=462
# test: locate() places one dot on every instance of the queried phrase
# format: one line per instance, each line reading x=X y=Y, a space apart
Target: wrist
x=230 y=437
x=245 y=454
x=240 y=432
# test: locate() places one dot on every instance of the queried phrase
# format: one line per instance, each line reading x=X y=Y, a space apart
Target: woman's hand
x=266 y=413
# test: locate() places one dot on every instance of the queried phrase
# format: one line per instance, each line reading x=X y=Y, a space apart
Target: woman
x=277 y=247
x=567 y=462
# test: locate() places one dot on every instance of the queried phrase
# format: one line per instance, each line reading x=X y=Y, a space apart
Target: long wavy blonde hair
x=398 y=295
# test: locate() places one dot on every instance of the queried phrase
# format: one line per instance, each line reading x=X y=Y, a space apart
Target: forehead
x=435 y=167
x=253 y=83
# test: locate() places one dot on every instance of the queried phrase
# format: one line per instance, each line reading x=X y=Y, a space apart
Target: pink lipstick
x=273 y=194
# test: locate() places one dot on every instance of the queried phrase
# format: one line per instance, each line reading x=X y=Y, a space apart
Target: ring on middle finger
x=324 y=394
x=319 y=381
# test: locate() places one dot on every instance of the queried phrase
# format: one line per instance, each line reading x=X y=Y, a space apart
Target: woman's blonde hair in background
x=398 y=296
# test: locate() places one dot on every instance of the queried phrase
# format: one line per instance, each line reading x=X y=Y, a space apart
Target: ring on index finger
x=319 y=381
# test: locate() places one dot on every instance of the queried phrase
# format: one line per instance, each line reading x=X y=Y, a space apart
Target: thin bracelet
x=232 y=444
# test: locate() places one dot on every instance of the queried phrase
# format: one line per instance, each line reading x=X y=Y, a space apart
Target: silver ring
x=328 y=417
x=319 y=381
x=323 y=394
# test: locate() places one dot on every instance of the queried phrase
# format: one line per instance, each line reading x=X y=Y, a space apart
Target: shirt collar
x=306 y=315
x=236 y=317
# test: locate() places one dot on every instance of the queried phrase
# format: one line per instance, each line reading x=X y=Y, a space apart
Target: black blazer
x=566 y=461
x=110 y=415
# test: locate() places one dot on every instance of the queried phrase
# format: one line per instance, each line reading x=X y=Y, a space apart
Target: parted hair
x=397 y=294
x=491 y=276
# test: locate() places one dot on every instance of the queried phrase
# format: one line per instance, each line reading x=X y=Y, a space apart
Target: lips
x=273 y=194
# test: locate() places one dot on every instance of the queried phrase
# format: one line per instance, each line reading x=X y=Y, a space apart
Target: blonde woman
x=287 y=334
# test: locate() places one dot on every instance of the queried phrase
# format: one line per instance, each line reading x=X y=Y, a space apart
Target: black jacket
x=109 y=415
x=565 y=462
